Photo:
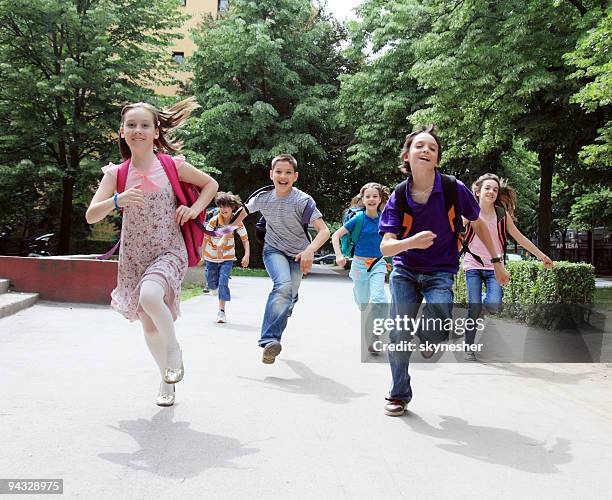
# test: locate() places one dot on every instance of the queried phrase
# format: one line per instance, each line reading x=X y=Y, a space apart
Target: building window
x=179 y=57
x=222 y=5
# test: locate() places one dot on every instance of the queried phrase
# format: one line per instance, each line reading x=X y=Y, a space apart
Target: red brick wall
x=61 y=279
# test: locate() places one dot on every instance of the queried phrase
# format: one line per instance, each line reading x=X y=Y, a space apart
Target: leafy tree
x=66 y=68
x=377 y=99
x=498 y=72
x=592 y=210
x=593 y=60
x=488 y=73
x=266 y=74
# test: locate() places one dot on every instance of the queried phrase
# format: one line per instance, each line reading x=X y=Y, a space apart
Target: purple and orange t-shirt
x=443 y=255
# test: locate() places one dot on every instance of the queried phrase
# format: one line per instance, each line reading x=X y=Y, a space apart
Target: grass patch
x=190 y=290
x=241 y=271
x=603 y=298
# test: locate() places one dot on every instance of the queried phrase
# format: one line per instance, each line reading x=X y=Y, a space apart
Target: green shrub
x=534 y=293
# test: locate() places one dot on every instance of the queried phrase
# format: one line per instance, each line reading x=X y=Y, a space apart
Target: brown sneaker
x=395 y=407
x=270 y=351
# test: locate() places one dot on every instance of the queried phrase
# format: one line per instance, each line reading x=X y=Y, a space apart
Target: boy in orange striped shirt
x=220 y=252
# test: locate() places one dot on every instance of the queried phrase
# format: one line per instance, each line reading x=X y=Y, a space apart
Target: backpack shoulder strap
x=449 y=188
x=307 y=214
x=172 y=174
x=252 y=195
x=359 y=220
x=502 y=229
x=401 y=200
x=122 y=174
x=308 y=211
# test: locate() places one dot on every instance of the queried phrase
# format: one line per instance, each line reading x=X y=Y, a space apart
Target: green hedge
x=534 y=293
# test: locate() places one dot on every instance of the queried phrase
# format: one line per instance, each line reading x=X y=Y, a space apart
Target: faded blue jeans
x=474 y=279
x=407 y=291
x=286 y=278
x=218 y=275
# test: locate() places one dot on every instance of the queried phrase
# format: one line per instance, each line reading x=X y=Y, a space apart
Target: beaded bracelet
x=115 y=201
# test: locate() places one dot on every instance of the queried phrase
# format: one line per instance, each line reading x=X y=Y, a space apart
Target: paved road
x=77 y=403
x=603 y=282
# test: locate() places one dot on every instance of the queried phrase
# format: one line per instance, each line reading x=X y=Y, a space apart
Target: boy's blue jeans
x=286 y=277
x=474 y=279
x=407 y=291
x=218 y=275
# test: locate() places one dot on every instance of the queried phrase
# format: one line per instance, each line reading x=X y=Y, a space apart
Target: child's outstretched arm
x=340 y=259
x=208 y=186
x=390 y=245
x=522 y=240
x=242 y=214
x=482 y=231
x=306 y=257
x=103 y=201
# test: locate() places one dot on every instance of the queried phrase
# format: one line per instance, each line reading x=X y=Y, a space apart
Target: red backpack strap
x=172 y=174
x=122 y=174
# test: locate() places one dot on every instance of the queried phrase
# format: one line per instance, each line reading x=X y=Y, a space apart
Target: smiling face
x=371 y=199
x=488 y=192
x=139 y=130
x=423 y=152
x=283 y=175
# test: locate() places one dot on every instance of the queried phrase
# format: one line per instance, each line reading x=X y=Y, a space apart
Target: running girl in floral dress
x=152 y=257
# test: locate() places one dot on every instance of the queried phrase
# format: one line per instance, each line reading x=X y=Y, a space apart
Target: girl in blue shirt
x=368 y=268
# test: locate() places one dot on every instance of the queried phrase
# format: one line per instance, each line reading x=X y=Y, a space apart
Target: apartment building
x=185 y=47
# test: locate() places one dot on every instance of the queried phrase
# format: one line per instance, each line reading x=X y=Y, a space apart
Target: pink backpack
x=186 y=194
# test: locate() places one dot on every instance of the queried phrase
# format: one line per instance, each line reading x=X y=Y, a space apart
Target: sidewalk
x=79 y=386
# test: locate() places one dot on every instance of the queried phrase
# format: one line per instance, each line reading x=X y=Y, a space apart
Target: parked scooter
x=28 y=247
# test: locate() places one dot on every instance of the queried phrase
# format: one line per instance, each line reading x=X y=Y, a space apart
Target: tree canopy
x=267 y=75
x=66 y=69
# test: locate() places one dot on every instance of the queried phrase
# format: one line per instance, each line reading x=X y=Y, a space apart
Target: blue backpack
x=347 y=242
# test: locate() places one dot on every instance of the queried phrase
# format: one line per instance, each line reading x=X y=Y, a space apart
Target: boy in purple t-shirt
x=426 y=257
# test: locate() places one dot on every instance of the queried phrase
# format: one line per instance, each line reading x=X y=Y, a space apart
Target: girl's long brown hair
x=166 y=121
x=506 y=196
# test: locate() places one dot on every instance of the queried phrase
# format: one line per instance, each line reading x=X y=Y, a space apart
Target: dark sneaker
x=270 y=351
x=470 y=356
x=395 y=407
x=428 y=350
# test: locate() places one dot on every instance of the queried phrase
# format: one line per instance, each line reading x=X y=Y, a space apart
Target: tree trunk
x=68 y=182
x=66 y=218
x=546 y=157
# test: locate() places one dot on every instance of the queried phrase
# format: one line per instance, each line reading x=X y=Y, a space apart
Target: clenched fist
x=422 y=240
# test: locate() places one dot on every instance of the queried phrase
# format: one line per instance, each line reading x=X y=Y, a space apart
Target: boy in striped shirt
x=220 y=252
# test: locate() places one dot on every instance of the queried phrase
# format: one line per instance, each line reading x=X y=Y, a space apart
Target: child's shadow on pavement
x=309 y=382
x=173 y=449
x=494 y=445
